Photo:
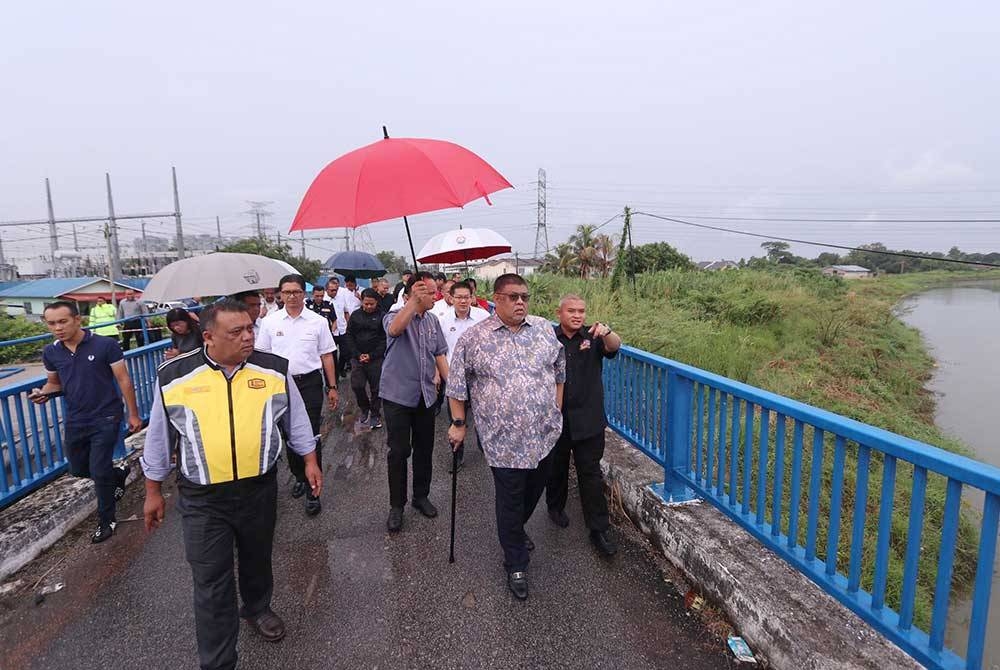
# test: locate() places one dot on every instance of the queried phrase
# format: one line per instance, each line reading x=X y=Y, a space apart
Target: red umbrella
x=392 y=178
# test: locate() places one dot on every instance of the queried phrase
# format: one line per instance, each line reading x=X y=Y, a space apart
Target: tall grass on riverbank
x=830 y=343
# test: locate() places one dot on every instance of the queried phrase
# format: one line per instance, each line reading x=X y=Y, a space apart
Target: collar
x=215 y=366
x=87 y=334
x=578 y=334
x=496 y=323
x=285 y=315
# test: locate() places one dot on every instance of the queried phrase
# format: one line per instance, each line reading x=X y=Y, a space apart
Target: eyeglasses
x=293 y=294
x=514 y=297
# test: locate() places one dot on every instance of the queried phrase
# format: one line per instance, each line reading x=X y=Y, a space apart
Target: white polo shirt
x=453 y=327
x=344 y=302
x=301 y=340
x=440 y=308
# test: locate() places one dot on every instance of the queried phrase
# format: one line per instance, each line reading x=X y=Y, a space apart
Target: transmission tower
x=259 y=212
x=541 y=232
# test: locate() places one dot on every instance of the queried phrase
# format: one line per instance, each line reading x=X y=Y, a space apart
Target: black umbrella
x=356 y=263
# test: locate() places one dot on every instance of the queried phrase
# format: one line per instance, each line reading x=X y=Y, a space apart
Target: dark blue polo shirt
x=88 y=384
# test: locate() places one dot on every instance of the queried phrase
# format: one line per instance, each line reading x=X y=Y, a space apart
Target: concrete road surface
x=352 y=596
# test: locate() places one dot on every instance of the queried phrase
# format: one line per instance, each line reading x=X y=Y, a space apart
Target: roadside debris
x=11 y=586
x=46 y=590
x=741 y=650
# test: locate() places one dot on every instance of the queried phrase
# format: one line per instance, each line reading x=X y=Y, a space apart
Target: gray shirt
x=409 y=366
x=130 y=309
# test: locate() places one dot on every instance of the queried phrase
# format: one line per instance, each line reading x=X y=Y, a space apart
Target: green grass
x=826 y=342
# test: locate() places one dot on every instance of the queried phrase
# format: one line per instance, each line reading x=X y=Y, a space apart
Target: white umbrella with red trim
x=463 y=245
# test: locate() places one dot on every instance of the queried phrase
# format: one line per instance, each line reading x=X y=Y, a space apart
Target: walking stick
x=454 y=493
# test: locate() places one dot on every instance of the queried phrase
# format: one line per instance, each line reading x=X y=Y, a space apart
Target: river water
x=961 y=325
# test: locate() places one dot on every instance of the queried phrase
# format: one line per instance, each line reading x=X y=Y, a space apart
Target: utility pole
x=177 y=216
x=111 y=270
x=76 y=241
x=541 y=231
x=517 y=264
x=114 y=256
x=145 y=246
x=53 y=236
x=631 y=249
x=2 y=259
x=302 y=240
x=218 y=230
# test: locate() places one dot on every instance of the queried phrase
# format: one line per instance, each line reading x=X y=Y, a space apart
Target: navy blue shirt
x=88 y=384
x=583 y=395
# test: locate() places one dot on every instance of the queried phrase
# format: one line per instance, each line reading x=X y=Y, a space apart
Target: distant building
x=718 y=265
x=494 y=267
x=29 y=298
x=150 y=243
x=847 y=271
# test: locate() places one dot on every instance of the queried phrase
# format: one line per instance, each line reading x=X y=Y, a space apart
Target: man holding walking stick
x=512 y=368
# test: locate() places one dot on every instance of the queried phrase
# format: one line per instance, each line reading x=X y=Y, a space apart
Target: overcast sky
x=772 y=109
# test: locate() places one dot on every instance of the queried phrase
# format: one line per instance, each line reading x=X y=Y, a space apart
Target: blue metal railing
x=31 y=436
x=759 y=458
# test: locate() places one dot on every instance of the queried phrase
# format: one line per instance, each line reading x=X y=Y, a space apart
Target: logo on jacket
x=252 y=277
x=256 y=383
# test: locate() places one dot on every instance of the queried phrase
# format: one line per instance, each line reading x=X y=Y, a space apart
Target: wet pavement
x=352 y=596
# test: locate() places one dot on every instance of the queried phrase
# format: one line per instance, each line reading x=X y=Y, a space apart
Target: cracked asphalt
x=352 y=596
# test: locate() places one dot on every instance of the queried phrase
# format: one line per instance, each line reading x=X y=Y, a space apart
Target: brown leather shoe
x=269 y=625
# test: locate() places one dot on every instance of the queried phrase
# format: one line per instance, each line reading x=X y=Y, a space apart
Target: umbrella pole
x=454 y=492
x=409 y=238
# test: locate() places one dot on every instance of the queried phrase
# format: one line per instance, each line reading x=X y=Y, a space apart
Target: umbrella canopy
x=356 y=263
x=464 y=244
x=395 y=177
x=216 y=274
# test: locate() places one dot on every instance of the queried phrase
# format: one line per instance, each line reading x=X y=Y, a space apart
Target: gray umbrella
x=216 y=274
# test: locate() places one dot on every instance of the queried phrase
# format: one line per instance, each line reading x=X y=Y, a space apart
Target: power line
x=791 y=220
x=901 y=254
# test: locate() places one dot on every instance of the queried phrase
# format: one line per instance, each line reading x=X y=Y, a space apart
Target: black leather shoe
x=604 y=543
x=425 y=507
x=517 y=582
x=104 y=532
x=269 y=625
x=559 y=517
x=300 y=489
x=395 y=522
x=313 y=505
x=528 y=544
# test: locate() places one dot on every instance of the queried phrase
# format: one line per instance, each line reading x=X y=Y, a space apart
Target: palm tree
x=561 y=260
x=605 y=248
x=582 y=242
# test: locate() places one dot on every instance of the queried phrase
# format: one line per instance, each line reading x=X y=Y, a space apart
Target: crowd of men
x=258 y=376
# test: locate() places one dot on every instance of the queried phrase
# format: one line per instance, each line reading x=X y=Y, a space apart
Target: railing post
x=677 y=459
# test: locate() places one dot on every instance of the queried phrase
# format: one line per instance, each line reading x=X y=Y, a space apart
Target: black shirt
x=386 y=302
x=324 y=309
x=583 y=395
x=189 y=341
x=365 y=334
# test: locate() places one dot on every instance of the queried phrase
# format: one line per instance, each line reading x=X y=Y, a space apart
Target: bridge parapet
x=846 y=492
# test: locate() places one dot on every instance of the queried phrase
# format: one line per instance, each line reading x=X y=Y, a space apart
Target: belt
x=305 y=375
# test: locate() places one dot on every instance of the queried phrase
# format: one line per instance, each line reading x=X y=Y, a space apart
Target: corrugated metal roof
x=850 y=268
x=53 y=287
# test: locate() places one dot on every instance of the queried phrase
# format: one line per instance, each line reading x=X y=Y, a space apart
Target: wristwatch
x=458 y=423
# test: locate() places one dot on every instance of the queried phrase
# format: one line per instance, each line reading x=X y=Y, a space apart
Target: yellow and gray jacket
x=223 y=428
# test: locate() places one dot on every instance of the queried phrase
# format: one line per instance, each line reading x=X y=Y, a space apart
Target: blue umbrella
x=356 y=263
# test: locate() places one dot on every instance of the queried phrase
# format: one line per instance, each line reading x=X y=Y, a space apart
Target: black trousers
x=517 y=494
x=132 y=329
x=215 y=518
x=367 y=375
x=90 y=450
x=409 y=429
x=311 y=389
x=587 y=454
x=343 y=358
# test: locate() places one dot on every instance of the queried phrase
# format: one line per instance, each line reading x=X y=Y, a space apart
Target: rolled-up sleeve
x=296 y=422
x=457 y=386
x=155 y=459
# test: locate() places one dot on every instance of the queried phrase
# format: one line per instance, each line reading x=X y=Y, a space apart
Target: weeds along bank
x=824 y=341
